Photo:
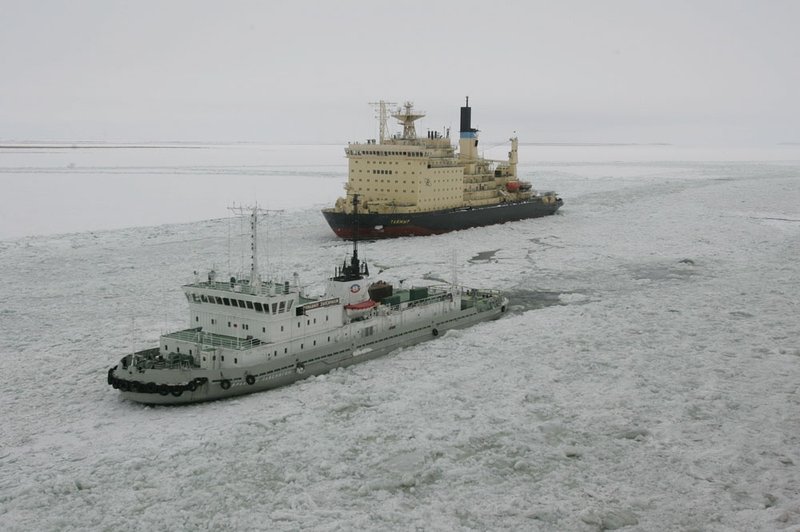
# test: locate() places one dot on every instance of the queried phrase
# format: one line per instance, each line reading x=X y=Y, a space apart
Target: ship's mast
x=382 y=109
x=252 y=212
x=354 y=260
x=406 y=116
x=355 y=270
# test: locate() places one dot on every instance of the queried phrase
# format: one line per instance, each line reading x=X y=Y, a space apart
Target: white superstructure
x=248 y=335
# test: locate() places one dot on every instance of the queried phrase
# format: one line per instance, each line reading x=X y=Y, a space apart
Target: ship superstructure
x=248 y=335
x=412 y=185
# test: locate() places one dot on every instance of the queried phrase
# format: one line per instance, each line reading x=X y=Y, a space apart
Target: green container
x=418 y=293
x=391 y=300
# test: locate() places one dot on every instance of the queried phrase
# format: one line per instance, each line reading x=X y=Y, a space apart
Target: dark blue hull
x=435 y=222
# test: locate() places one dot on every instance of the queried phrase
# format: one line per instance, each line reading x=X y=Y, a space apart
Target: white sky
x=267 y=71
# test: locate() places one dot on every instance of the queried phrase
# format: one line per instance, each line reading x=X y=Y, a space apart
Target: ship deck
x=208 y=339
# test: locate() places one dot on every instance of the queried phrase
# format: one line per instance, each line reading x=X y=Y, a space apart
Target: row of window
x=378 y=171
x=387 y=181
x=277 y=307
x=389 y=153
x=398 y=191
x=353 y=171
x=246 y=326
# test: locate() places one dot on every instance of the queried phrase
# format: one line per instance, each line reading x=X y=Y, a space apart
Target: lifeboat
x=357 y=310
x=512 y=186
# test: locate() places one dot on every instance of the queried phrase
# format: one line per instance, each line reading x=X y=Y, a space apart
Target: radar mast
x=252 y=212
x=407 y=116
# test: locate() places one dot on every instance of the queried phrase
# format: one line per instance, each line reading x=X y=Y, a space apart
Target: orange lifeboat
x=357 y=310
x=512 y=186
x=364 y=305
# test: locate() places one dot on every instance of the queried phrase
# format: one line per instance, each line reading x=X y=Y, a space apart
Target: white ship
x=249 y=335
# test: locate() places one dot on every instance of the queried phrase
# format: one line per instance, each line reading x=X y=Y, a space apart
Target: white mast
x=253 y=213
x=383 y=117
x=454 y=265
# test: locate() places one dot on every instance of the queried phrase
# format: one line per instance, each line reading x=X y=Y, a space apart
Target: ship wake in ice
x=645 y=377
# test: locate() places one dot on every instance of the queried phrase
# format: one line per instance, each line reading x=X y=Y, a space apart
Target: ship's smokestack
x=468 y=143
x=466 y=117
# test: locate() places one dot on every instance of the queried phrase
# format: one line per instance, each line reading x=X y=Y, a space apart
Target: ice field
x=646 y=378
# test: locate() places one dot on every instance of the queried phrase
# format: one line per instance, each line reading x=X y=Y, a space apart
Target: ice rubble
x=649 y=393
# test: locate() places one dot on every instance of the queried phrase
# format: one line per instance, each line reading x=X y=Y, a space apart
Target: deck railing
x=207 y=339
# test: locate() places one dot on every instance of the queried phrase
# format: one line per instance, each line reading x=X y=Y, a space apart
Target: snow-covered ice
x=647 y=378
